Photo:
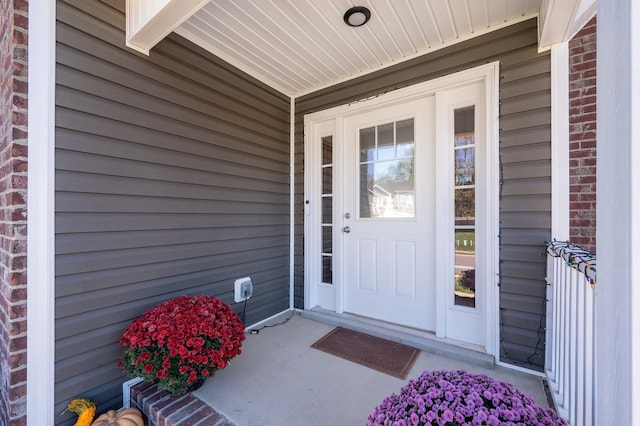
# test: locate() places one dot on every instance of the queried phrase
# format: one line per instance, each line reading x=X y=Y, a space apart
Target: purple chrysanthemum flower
x=448 y=415
x=456 y=398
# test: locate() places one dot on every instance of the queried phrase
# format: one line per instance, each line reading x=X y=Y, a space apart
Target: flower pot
x=196 y=385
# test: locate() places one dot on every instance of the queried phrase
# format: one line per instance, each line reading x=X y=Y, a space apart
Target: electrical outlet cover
x=237 y=289
x=246 y=289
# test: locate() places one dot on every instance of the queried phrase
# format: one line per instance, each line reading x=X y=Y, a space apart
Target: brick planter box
x=160 y=408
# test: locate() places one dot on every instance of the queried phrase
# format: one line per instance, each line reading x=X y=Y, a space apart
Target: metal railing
x=570 y=346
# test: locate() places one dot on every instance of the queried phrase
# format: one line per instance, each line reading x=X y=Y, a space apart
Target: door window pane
x=465 y=273
x=327 y=269
x=368 y=144
x=464 y=171
x=327 y=241
x=386 y=173
x=386 y=142
x=465 y=210
x=404 y=138
x=327 y=180
x=327 y=150
x=327 y=209
x=464 y=190
x=404 y=131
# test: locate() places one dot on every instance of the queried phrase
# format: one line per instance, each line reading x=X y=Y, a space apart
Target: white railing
x=570 y=346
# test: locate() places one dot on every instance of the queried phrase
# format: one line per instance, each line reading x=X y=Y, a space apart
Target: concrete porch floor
x=280 y=380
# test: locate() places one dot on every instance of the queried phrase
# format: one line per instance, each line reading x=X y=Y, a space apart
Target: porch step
x=422 y=340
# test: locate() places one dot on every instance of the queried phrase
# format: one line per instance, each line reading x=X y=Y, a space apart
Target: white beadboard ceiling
x=300 y=46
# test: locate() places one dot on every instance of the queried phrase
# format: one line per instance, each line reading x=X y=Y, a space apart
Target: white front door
x=401 y=207
x=388 y=213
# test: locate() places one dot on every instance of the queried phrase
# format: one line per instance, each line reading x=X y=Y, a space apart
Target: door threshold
x=423 y=340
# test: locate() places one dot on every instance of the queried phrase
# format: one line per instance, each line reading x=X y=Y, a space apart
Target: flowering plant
x=181 y=341
x=459 y=398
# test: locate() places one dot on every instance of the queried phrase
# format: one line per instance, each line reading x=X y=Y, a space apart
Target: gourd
x=125 y=417
x=84 y=408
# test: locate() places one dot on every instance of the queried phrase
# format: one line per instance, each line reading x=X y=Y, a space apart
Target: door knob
x=346 y=229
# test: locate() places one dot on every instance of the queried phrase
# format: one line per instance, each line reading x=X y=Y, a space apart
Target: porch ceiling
x=299 y=46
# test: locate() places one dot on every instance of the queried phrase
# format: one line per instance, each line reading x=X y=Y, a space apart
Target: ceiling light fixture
x=357 y=16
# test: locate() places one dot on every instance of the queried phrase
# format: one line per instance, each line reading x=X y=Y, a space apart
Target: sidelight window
x=327 y=210
x=465 y=207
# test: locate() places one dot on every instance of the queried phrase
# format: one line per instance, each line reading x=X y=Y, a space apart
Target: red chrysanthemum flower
x=182 y=340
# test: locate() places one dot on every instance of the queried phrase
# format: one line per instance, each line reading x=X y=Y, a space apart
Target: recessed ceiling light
x=357 y=16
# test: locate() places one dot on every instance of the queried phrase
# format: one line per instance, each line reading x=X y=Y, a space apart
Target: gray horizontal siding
x=525 y=154
x=172 y=177
x=525 y=207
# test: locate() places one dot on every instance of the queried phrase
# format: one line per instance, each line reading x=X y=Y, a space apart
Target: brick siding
x=160 y=408
x=13 y=211
x=582 y=137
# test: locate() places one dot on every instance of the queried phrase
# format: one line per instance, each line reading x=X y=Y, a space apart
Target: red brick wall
x=582 y=137
x=13 y=226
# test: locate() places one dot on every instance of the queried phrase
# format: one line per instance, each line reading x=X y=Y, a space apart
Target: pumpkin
x=84 y=408
x=125 y=417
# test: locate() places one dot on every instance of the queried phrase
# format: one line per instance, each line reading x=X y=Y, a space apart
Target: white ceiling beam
x=560 y=20
x=149 y=21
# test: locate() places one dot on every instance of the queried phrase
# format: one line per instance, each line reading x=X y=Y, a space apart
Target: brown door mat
x=379 y=354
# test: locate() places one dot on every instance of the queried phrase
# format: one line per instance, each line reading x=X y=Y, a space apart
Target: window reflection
x=464 y=207
x=387 y=186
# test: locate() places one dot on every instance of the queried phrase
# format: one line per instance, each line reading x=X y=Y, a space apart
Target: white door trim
x=316 y=293
x=492 y=145
x=40 y=222
x=292 y=199
x=489 y=75
x=487 y=178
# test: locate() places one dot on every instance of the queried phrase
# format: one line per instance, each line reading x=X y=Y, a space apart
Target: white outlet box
x=242 y=289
